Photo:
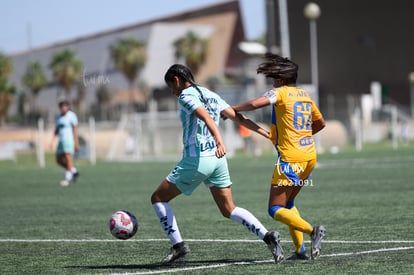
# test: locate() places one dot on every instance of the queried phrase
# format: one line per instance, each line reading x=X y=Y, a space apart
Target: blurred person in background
x=68 y=141
x=246 y=135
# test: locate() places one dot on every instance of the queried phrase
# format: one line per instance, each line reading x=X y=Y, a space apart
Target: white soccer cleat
x=316 y=238
x=64 y=183
x=178 y=251
x=272 y=239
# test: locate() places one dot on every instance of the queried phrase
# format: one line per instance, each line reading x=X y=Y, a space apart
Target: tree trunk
x=35 y=105
x=5 y=102
x=131 y=97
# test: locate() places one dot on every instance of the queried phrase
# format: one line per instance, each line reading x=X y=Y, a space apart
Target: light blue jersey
x=199 y=163
x=197 y=139
x=64 y=124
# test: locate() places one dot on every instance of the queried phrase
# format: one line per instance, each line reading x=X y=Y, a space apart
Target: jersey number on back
x=302 y=115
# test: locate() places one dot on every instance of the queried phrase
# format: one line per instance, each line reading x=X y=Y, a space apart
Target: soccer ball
x=123 y=225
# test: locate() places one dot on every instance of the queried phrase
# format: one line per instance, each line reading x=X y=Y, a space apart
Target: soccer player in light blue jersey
x=204 y=160
x=67 y=132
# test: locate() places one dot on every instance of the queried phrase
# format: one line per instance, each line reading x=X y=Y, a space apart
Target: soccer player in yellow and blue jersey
x=295 y=119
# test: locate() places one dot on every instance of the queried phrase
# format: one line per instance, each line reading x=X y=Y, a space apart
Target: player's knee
x=226 y=210
x=225 y=213
x=155 y=198
x=273 y=209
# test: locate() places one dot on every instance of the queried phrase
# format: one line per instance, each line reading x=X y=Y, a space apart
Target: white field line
x=370 y=251
x=190 y=240
x=205 y=267
x=175 y=270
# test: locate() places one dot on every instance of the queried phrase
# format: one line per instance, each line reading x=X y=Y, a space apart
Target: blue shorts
x=191 y=171
x=65 y=146
x=292 y=173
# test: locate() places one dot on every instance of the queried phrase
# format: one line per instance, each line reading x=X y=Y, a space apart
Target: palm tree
x=66 y=69
x=129 y=56
x=6 y=90
x=79 y=101
x=34 y=79
x=6 y=67
x=192 y=49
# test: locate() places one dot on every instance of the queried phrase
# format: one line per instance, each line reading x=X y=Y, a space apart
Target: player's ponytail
x=185 y=74
x=278 y=67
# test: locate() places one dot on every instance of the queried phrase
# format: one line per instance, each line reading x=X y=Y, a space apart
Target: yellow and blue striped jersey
x=291 y=130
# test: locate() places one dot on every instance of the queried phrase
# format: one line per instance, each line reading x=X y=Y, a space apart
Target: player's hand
x=220 y=150
x=223 y=117
x=77 y=147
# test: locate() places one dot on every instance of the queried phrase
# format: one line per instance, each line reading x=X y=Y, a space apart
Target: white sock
x=68 y=175
x=74 y=170
x=247 y=219
x=168 y=221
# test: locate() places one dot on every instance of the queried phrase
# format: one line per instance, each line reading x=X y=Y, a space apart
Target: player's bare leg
x=71 y=167
x=224 y=200
x=279 y=197
x=165 y=192
x=61 y=160
x=65 y=160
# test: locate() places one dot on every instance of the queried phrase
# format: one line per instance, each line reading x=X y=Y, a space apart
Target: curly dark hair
x=278 y=67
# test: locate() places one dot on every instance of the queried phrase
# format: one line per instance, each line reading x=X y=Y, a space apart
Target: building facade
x=220 y=24
x=358 y=42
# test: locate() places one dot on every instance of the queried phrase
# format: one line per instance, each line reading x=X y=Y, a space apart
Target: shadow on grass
x=161 y=266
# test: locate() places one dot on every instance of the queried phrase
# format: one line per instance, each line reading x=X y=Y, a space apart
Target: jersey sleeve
x=271 y=95
x=316 y=114
x=189 y=101
x=222 y=104
x=74 y=119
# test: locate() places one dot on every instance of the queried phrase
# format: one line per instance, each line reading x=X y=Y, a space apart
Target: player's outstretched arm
x=251 y=105
x=318 y=125
x=245 y=121
x=76 y=137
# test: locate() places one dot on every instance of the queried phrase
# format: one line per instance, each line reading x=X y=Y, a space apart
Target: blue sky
x=56 y=20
